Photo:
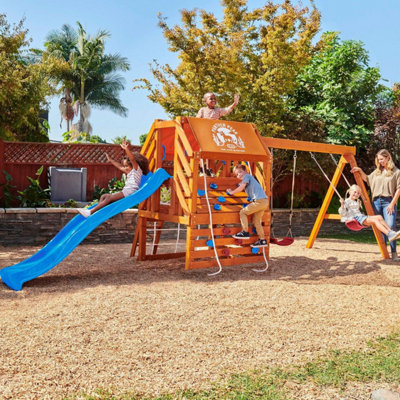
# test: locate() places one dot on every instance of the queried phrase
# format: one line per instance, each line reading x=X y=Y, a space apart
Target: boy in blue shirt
x=257 y=207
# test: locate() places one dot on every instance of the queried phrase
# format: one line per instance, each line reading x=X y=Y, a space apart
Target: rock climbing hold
x=210 y=243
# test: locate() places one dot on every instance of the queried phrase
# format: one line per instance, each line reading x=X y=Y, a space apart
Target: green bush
x=71 y=203
x=34 y=195
x=7 y=190
x=113 y=186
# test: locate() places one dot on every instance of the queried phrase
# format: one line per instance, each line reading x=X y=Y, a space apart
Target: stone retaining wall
x=37 y=226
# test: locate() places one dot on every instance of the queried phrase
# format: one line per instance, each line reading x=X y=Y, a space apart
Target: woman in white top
x=134 y=165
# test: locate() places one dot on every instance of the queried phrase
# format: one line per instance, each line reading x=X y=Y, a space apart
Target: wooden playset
x=200 y=201
x=203 y=153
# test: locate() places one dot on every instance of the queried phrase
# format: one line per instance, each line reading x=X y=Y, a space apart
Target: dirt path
x=101 y=319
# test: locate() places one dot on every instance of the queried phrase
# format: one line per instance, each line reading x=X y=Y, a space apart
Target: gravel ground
x=103 y=320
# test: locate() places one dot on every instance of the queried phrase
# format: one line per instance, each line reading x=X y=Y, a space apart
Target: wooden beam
x=142 y=225
x=182 y=136
x=212 y=263
x=165 y=256
x=182 y=180
x=181 y=198
x=181 y=157
x=307 y=146
x=165 y=217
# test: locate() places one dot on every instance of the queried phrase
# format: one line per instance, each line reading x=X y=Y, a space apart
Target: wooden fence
x=22 y=159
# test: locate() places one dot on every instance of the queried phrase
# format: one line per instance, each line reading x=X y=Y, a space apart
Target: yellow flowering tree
x=257 y=53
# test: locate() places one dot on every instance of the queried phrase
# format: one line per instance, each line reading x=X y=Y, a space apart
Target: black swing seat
x=354 y=225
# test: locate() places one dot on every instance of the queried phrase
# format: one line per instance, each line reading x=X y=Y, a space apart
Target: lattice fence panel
x=61 y=154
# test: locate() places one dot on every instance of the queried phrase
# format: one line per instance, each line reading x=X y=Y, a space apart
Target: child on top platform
x=212 y=112
x=257 y=207
x=134 y=165
x=350 y=209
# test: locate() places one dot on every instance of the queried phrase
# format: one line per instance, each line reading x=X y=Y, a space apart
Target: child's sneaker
x=84 y=212
x=241 y=235
x=260 y=243
x=392 y=235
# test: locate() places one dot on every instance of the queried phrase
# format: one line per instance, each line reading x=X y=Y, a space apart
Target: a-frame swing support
x=347 y=154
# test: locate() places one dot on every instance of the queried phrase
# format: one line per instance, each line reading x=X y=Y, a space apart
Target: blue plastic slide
x=74 y=232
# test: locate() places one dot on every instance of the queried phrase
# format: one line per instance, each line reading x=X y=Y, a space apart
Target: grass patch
x=380 y=362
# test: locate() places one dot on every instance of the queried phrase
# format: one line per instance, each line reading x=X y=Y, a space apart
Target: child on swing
x=134 y=165
x=350 y=209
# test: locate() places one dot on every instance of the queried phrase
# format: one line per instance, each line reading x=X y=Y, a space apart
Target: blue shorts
x=360 y=219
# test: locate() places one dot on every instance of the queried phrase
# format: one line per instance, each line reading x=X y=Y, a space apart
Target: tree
x=26 y=81
x=92 y=77
x=339 y=89
x=83 y=137
x=120 y=139
x=386 y=133
x=142 y=138
x=257 y=53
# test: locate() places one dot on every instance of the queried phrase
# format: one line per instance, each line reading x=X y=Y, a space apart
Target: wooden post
x=142 y=226
x=2 y=166
x=326 y=202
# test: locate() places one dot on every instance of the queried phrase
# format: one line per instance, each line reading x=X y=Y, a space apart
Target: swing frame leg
x=344 y=159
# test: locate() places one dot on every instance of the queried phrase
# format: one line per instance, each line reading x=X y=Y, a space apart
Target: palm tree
x=92 y=79
x=62 y=44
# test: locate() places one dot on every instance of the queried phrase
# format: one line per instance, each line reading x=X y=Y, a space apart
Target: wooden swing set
x=200 y=202
x=347 y=156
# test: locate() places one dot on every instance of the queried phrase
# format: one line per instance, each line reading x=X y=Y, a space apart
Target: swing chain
x=290 y=233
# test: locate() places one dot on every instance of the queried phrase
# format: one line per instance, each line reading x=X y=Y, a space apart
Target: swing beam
x=347 y=154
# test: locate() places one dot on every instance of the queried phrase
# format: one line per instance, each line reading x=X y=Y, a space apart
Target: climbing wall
x=209 y=237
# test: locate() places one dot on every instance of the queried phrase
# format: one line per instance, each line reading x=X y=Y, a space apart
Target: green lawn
x=380 y=362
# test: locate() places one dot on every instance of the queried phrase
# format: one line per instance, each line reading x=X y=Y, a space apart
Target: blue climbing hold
x=221 y=199
x=223 y=162
x=165 y=152
x=254 y=230
x=244 y=205
x=248 y=199
x=255 y=250
x=217 y=207
x=213 y=186
x=210 y=243
x=201 y=192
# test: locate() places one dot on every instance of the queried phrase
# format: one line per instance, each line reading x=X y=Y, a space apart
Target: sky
x=135 y=35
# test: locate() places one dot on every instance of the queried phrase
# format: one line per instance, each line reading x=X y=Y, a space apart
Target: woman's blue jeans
x=380 y=205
